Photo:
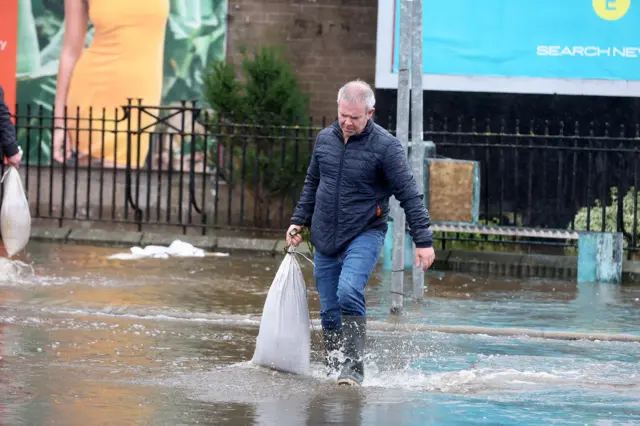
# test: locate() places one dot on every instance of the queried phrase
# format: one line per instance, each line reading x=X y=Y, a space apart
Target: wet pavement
x=94 y=341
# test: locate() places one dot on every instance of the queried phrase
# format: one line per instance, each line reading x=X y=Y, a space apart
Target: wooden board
x=453 y=190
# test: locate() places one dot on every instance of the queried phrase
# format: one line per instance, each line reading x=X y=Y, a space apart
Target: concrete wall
x=328 y=41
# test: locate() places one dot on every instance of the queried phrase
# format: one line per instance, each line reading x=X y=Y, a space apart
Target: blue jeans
x=341 y=279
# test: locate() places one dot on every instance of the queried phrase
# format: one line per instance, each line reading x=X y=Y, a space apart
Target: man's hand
x=296 y=239
x=426 y=256
x=14 y=160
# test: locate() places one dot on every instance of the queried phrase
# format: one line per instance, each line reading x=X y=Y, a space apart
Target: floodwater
x=93 y=341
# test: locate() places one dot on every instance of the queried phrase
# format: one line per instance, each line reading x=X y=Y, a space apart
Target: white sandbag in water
x=15 y=218
x=176 y=249
x=283 y=341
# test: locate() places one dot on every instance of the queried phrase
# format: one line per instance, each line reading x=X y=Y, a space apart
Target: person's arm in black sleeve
x=7 y=130
x=405 y=189
x=304 y=209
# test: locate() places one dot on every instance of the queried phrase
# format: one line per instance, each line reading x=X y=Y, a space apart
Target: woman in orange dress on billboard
x=124 y=61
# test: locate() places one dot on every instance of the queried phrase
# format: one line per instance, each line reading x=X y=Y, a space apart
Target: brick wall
x=328 y=42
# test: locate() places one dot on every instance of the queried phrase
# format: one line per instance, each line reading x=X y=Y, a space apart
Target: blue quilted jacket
x=348 y=186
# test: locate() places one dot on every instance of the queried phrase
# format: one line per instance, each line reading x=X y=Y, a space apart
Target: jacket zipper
x=338 y=184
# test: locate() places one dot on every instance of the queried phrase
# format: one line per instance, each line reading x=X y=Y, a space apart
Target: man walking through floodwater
x=8 y=145
x=355 y=168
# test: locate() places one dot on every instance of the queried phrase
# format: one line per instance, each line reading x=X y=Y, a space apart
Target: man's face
x=353 y=117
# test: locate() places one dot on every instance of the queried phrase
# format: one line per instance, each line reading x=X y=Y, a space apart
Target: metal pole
x=417 y=146
x=402 y=133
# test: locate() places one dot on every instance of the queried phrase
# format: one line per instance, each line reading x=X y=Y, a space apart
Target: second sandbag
x=15 y=218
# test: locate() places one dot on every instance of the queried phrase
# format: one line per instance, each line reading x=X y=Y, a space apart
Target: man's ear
x=370 y=113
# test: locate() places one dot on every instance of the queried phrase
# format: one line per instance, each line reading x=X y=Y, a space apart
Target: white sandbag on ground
x=283 y=341
x=176 y=249
x=15 y=218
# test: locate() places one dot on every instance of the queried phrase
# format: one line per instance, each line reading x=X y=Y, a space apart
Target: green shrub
x=260 y=114
x=611 y=214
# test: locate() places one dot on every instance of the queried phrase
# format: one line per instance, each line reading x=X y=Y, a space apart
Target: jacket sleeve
x=304 y=209
x=405 y=189
x=7 y=130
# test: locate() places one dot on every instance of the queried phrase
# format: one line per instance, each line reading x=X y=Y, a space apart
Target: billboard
x=574 y=47
x=8 y=50
x=98 y=53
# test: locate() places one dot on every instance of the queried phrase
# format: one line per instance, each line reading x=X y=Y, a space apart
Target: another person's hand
x=14 y=160
x=294 y=240
x=426 y=256
x=58 y=145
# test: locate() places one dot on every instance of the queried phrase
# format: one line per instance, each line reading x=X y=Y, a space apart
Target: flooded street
x=93 y=341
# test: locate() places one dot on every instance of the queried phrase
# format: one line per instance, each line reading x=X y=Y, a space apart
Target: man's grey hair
x=357 y=91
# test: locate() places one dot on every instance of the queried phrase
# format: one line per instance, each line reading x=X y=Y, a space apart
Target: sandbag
x=15 y=218
x=283 y=341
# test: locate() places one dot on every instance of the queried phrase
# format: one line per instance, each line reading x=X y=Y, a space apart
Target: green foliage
x=306 y=234
x=195 y=36
x=266 y=93
x=611 y=214
x=223 y=91
x=260 y=113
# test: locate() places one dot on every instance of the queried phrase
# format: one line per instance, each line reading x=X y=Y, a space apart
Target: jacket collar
x=362 y=135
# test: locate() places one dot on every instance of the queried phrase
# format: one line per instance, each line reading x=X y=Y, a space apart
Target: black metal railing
x=178 y=166
x=172 y=165
x=550 y=175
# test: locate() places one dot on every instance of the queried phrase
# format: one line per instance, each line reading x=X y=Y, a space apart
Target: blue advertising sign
x=536 y=46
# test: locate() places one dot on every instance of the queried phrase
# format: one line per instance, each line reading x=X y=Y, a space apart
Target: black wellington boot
x=333 y=342
x=355 y=333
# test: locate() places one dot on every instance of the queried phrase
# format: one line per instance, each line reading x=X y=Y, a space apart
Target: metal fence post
x=417 y=146
x=402 y=133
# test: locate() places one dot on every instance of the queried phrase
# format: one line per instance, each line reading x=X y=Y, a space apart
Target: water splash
x=15 y=271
